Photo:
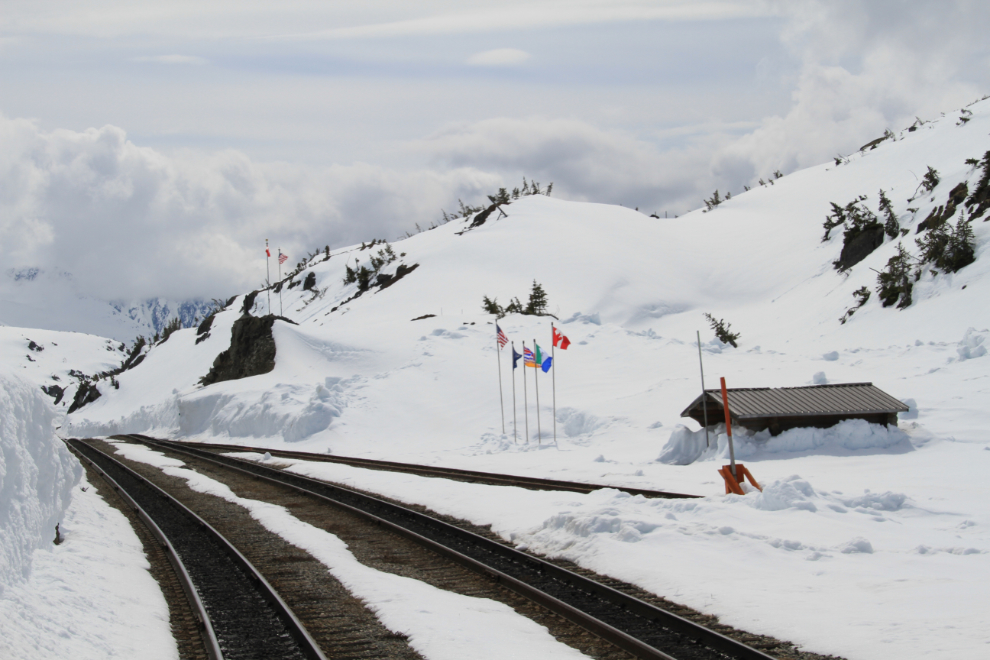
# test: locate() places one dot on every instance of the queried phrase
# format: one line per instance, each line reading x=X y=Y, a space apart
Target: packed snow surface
x=866 y=541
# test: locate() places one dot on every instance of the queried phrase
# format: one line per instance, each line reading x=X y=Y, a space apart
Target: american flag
x=502 y=339
x=282 y=258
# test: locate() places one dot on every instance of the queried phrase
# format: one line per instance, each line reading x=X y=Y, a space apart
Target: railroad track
x=240 y=614
x=472 y=476
x=628 y=623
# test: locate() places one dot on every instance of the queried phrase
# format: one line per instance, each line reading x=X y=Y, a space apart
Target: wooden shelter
x=782 y=408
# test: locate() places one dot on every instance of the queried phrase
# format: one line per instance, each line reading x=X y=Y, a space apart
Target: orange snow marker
x=731 y=485
x=733 y=473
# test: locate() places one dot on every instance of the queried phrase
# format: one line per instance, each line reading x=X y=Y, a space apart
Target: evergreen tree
x=350 y=275
x=514 y=307
x=961 y=249
x=930 y=180
x=891 y=227
x=894 y=282
x=537 y=300
x=364 y=278
x=491 y=306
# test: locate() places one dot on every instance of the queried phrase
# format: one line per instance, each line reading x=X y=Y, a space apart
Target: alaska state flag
x=515 y=358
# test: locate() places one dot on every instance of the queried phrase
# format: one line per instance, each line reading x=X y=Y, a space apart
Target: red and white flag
x=560 y=339
x=268 y=252
x=282 y=257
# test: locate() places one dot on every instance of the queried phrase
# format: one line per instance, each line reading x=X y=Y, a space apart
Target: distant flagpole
x=268 y=275
x=553 y=364
x=498 y=353
x=525 y=394
x=536 y=385
x=515 y=435
x=280 y=313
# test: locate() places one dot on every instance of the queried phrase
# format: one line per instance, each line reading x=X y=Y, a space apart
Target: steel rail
x=307 y=645
x=534 y=483
x=205 y=625
x=364 y=505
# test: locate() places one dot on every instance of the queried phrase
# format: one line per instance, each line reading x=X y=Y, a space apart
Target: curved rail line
x=532 y=483
x=637 y=627
x=243 y=616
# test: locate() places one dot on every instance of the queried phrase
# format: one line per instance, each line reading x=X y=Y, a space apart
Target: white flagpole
x=268 y=276
x=515 y=435
x=498 y=353
x=280 y=312
x=525 y=395
x=536 y=385
x=553 y=365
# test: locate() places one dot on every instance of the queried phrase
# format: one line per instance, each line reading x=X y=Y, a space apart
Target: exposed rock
x=310 y=282
x=251 y=352
x=940 y=215
x=249 y=302
x=424 y=316
x=54 y=391
x=87 y=393
x=35 y=347
x=385 y=281
x=860 y=246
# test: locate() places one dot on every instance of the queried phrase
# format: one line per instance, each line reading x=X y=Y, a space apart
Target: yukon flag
x=542 y=359
x=560 y=339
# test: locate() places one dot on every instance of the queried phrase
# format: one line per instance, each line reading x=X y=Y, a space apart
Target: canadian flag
x=268 y=252
x=561 y=339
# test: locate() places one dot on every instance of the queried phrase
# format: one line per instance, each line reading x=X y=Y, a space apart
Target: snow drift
x=37 y=474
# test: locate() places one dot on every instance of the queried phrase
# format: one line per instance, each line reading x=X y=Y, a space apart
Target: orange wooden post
x=733 y=474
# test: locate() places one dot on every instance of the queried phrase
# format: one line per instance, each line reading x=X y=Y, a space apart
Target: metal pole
x=280 y=312
x=498 y=353
x=515 y=435
x=704 y=396
x=728 y=429
x=553 y=378
x=268 y=276
x=525 y=395
x=536 y=386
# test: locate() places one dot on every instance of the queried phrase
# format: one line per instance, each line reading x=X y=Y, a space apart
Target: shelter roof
x=837 y=399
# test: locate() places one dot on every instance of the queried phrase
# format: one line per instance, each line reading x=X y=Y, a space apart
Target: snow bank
x=37 y=474
x=972 y=344
x=686 y=446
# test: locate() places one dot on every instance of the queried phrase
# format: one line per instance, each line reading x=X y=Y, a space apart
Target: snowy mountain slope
x=878 y=523
x=33 y=298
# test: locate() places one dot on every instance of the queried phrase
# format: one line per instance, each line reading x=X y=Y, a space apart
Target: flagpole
x=704 y=397
x=515 y=436
x=525 y=394
x=553 y=365
x=498 y=353
x=268 y=276
x=536 y=386
x=280 y=312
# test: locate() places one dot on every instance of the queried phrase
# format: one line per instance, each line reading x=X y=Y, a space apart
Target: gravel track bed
x=182 y=619
x=246 y=626
x=771 y=646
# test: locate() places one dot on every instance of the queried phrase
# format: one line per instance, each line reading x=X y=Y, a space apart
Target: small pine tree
x=514 y=307
x=549 y=189
x=894 y=283
x=537 y=300
x=961 y=249
x=891 y=227
x=723 y=330
x=713 y=201
x=350 y=275
x=326 y=251
x=930 y=180
x=364 y=278
x=490 y=305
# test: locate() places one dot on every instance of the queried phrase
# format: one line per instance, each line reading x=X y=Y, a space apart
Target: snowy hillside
x=33 y=298
x=859 y=530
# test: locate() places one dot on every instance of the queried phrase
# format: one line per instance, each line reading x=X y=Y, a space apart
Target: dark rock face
x=860 y=246
x=249 y=302
x=35 y=347
x=385 y=281
x=940 y=215
x=87 y=393
x=251 y=352
x=54 y=391
x=310 y=282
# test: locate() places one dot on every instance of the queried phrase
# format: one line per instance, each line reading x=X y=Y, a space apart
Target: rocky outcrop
x=251 y=352
x=860 y=245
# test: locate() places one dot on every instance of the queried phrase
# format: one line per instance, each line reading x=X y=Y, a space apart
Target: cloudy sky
x=168 y=140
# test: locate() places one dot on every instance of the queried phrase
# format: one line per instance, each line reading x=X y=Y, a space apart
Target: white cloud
x=499 y=57
x=130 y=222
x=172 y=59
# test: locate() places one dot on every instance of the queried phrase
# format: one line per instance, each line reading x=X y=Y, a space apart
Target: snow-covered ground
x=866 y=542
